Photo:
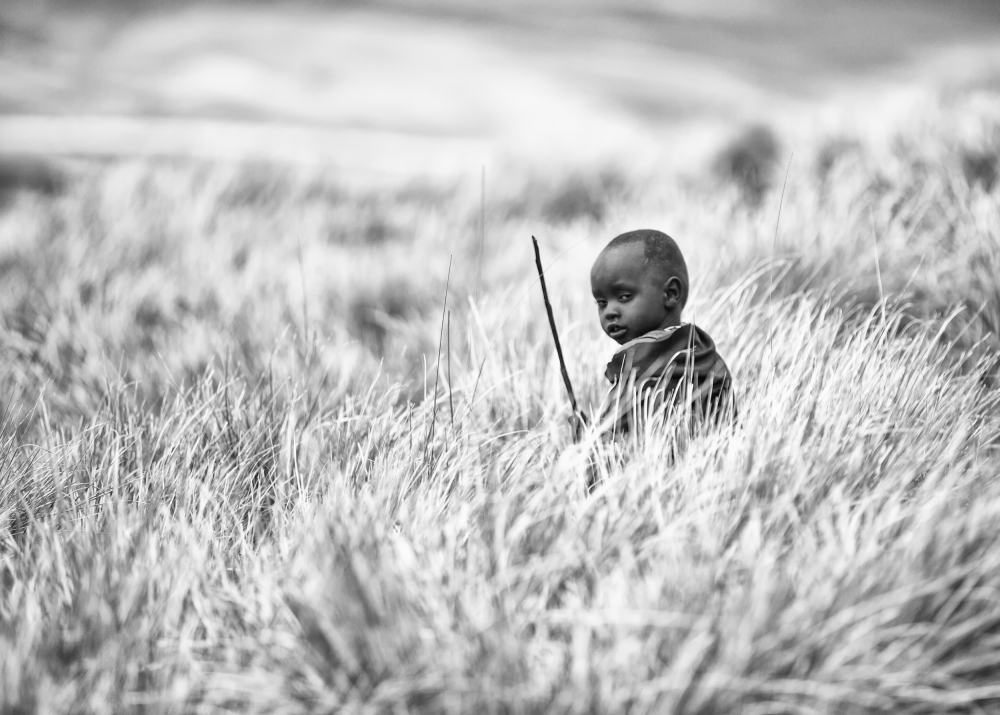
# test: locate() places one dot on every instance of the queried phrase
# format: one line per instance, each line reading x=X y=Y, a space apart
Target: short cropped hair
x=660 y=251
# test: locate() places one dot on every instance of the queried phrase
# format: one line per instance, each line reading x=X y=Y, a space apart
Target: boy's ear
x=672 y=292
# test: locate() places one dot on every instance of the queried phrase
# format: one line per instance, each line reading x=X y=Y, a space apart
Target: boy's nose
x=611 y=312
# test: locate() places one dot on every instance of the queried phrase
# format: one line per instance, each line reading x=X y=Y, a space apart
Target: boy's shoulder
x=663 y=369
x=671 y=353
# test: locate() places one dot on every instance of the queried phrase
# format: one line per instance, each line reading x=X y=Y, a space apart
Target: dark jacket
x=663 y=370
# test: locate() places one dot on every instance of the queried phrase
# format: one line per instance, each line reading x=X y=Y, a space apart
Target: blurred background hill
x=444 y=86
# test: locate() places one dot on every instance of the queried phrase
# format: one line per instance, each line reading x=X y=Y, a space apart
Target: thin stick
x=471 y=402
x=482 y=229
x=451 y=401
x=437 y=367
x=552 y=325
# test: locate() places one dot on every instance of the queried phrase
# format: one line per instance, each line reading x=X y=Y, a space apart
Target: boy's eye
x=624 y=297
x=601 y=303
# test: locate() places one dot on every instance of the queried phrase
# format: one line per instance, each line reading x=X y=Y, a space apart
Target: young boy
x=640 y=283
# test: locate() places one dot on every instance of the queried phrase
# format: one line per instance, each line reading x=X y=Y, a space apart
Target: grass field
x=237 y=476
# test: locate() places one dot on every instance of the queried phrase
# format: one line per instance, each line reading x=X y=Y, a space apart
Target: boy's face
x=632 y=297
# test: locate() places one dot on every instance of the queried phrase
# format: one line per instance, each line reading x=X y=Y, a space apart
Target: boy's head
x=640 y=283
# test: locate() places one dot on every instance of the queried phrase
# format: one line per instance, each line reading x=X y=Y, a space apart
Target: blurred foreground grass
x=235 y=479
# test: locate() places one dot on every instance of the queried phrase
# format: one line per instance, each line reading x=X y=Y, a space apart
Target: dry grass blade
x=437 y=365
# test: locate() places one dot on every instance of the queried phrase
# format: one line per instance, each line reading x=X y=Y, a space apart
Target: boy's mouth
x=616 y=331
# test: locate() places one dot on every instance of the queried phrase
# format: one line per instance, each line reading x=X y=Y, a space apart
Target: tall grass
x=221 y=491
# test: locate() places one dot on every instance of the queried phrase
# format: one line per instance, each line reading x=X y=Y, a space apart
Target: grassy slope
x=226 y=496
